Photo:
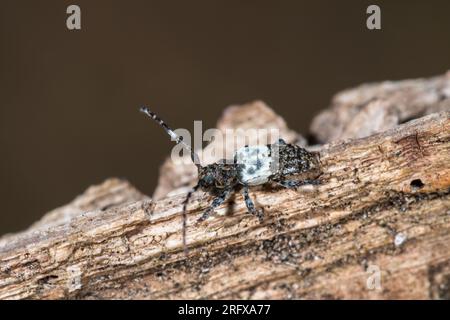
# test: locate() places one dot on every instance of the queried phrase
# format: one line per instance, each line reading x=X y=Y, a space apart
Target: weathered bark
x=371 y=108
x=383 y=204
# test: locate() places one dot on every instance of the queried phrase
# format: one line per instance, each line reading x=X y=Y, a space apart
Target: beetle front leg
x=216 y=202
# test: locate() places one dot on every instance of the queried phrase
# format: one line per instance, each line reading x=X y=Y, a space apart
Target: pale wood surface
x=384 y=203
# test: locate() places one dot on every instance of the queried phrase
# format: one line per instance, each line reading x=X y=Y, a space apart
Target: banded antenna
x=178 y=139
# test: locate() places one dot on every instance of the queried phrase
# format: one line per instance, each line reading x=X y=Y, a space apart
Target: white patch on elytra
x=256 y=163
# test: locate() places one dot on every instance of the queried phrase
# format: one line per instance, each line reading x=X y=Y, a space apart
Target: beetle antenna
x=175 y=137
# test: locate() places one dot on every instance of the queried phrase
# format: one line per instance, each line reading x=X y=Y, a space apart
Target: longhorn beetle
x=287 y=165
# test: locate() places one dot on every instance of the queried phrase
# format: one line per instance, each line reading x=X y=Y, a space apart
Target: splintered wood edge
x=135 y=250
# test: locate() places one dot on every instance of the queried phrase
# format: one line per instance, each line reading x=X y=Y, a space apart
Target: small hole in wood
x=417 y=184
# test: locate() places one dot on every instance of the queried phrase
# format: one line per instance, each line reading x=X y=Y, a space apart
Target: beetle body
x=287 y=165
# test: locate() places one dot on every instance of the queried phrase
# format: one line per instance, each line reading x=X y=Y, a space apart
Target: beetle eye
x=209 y=179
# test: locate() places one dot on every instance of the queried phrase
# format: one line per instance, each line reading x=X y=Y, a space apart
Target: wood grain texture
x=383 y=205
x=376 y=107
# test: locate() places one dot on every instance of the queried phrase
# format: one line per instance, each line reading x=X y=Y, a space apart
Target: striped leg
x=216 y=202
x=251 y=206
x=293 y=184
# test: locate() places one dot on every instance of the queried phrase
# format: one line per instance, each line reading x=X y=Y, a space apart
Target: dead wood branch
x=383 y=205
x=371 y=108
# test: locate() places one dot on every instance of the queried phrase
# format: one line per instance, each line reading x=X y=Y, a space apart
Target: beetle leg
x=216 y=202
x=250 y=205
x=293 y=184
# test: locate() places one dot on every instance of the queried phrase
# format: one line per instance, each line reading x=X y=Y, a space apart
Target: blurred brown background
x=69 y=99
